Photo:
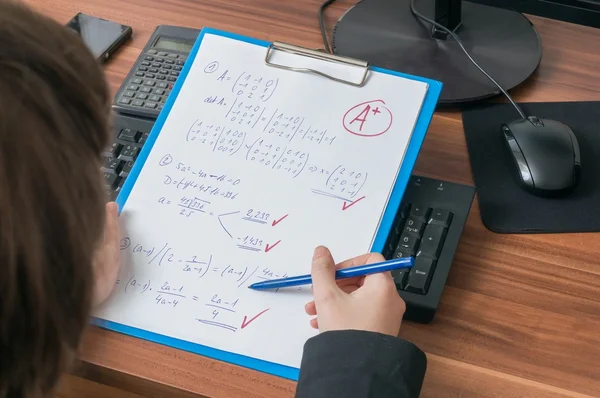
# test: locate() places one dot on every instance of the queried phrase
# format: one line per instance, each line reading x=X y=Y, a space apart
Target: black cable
x=437 y=25
x=322 y=24
x=455 y=37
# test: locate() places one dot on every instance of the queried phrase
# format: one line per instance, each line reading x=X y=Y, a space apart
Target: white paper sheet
x=255 y=166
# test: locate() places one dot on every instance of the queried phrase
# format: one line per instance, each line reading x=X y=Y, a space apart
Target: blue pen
x=361 y=270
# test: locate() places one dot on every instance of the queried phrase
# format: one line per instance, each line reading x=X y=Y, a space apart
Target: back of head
x=53 y=127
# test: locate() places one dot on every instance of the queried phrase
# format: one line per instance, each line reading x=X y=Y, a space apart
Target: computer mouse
x=545 y=154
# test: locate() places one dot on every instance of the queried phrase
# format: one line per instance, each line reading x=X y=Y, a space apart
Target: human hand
x=369 y=303
x=107 y=258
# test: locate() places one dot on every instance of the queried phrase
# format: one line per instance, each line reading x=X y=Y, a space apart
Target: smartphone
x=102 y=37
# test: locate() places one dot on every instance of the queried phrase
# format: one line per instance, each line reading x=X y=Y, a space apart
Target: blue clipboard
x=389 y=215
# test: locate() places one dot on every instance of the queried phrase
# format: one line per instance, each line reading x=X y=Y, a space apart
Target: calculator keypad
x=153 y=80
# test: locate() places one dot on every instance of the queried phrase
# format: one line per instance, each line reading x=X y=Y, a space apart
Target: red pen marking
x=269 y=247
x=244 y=323
x=368 y=119
x=275 y=222
x=347 y=205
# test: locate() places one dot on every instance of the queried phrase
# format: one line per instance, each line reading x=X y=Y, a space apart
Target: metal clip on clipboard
x=277 y=46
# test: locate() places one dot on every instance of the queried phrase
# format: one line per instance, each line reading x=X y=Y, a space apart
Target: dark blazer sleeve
x=359 y=364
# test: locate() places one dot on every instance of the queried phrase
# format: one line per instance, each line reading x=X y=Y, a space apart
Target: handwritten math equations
x=253 y=168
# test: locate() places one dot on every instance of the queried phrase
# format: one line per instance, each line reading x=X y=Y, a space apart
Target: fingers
x=367 y=258
x=314 y=323
x=107 y=256
x=379 y=280
x=112 y=237
x=311 y=309
x=323 y=274
x=111 y=231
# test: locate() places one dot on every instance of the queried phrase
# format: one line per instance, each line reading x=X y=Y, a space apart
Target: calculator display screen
x=167 y=44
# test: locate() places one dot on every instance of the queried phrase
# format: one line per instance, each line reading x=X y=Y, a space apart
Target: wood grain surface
x=520 y=316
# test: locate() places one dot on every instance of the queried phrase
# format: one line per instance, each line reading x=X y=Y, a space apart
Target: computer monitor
x=387 y=34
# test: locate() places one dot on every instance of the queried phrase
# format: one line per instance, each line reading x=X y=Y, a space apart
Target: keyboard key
x=431 y=244
x=159 y=91
x=113 y=150
x=133 y=87
x=420 y=274
x=153 y=70
x=149 y=83
x=128 y=134
x=392 y=242
x=409 y=241
x=163 y=72
x=126 y=169
x=172 y=56
x=140 y=74
x=111 y=180
x=162 y=85
x=146 y=63
x=143 y=138
x=169 y=61
x=129 y=94
x=400 y=276
x=163 y=54
x=160 y=77
x=420 y=212
x=414 y=226
x=174 y=73
x=136 y=80
x=178 y=68
x=161 y=59
x=137 y=103
x=155 y=98
x=112 y=165
x=150 y=75
x=129 y=153
x=403 y=252
x=125 y=101
x=440 y=217
x=141 y=96
x=146 y=90
x=151 y=105
x=172 y=79
x=143 y=69
x=149 y=58
x=167 y=66
x=180 y=63
x=156 y=65
x=111 y=195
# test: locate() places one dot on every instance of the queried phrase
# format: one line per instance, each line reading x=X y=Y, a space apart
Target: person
x=59 y=239
x=357 y=352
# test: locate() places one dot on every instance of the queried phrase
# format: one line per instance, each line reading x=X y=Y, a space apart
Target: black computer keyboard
x=130 y=135
x=428 y=224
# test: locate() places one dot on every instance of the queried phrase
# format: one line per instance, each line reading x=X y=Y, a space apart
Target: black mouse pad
x=505 y=206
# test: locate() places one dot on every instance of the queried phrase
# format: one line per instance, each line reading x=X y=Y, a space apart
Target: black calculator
x=150 y=81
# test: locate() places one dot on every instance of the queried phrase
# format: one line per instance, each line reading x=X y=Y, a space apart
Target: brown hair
x=53 y=127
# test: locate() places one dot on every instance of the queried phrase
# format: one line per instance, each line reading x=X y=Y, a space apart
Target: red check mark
x=275 y=222
x=347 y=205
x=244 y=323
x=269 y=247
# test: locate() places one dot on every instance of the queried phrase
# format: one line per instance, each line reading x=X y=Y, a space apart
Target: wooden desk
x=520 y=316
